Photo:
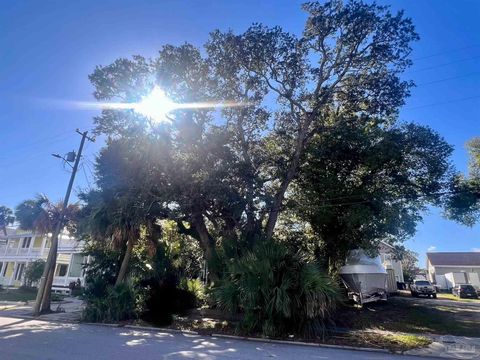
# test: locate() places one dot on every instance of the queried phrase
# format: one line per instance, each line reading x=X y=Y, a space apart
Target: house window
x=19 y=271
x=62 y=270
x=26 y=242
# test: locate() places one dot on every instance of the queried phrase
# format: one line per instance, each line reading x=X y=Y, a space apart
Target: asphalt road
x=22 y=339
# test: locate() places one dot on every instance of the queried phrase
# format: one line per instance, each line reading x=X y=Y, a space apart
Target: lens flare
x=155 y=106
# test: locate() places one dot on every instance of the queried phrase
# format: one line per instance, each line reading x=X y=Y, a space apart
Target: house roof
x=454 y=258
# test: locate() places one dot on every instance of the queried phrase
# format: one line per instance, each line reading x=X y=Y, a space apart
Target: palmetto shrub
x=110 y=304
x=278 y=292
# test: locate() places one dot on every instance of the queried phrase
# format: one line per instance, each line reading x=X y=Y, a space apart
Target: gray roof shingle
x=454 y=258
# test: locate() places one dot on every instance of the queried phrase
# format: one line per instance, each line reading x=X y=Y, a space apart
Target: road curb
x=150 y=328
x=301 y=343
x=100 y=324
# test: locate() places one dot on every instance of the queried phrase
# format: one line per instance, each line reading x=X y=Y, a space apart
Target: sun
x=156 y=106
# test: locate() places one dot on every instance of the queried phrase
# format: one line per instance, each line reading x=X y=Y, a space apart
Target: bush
x=164 y=299
x=77 y=291
x=278 y=291
x=34 y=271
x=57 y=297
x=113 y=303
x=197 y=288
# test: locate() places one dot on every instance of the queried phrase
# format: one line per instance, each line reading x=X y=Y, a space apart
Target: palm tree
x=41 y=215
x=6 y=218
x=117 y=219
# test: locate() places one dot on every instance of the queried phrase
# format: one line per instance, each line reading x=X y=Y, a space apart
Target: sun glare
x=155 y=105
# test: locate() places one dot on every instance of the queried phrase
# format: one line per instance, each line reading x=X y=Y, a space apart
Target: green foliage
x=365 y=183
x=34 y=271
x=40 y=214
x=57 y=297
x=6 y=218
x=409 y=261
x=77 y=291
x=196 y=287
x=319 y=141
x=100 y=293
x=165 y=294
x=462 y=204
x=184 y=254
x=278 y=292
x=110 y=303
x=105 y=262
x=223 y=176
x=154 y=276
x=473 y=147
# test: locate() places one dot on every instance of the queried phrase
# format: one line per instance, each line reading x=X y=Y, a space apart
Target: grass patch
x=407 y=341
x=20 y=294
x=394 y=342
x=455 y=298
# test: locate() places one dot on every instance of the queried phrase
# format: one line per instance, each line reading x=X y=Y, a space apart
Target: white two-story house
x=19 y=248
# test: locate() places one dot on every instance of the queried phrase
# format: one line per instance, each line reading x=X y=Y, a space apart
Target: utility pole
x=42 y=302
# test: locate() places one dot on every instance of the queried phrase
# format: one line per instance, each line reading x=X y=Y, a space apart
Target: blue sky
x=49 y=48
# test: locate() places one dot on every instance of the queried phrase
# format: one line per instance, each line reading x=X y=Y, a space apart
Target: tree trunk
x=47 y=295
x=126 y=260
x=42 y=301
x=207 y=243
x=280 y=195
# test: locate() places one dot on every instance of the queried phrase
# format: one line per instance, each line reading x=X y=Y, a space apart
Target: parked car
x=465 y=291
x=423 y=287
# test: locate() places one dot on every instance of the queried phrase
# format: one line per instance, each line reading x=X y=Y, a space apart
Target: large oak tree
x=224 y=175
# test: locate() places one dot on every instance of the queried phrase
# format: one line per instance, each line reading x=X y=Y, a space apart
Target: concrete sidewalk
x=69 y=310
x=450 y=347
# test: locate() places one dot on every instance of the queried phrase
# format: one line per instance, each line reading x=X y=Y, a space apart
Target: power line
x=437 y=194
x=444 y=64
x=86 y=177
x=92 y=174
x=449 y=78
x=39 y=143
x=443 y=102
x=446 y=52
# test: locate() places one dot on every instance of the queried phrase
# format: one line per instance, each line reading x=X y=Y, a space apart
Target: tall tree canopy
x=361 y=184
x=463 y=202
x=224 y=174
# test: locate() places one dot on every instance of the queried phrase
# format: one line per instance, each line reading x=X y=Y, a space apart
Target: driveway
x=23 y=339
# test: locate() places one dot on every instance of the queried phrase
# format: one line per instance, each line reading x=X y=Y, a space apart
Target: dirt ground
x=415 y=315
x=399 y=314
